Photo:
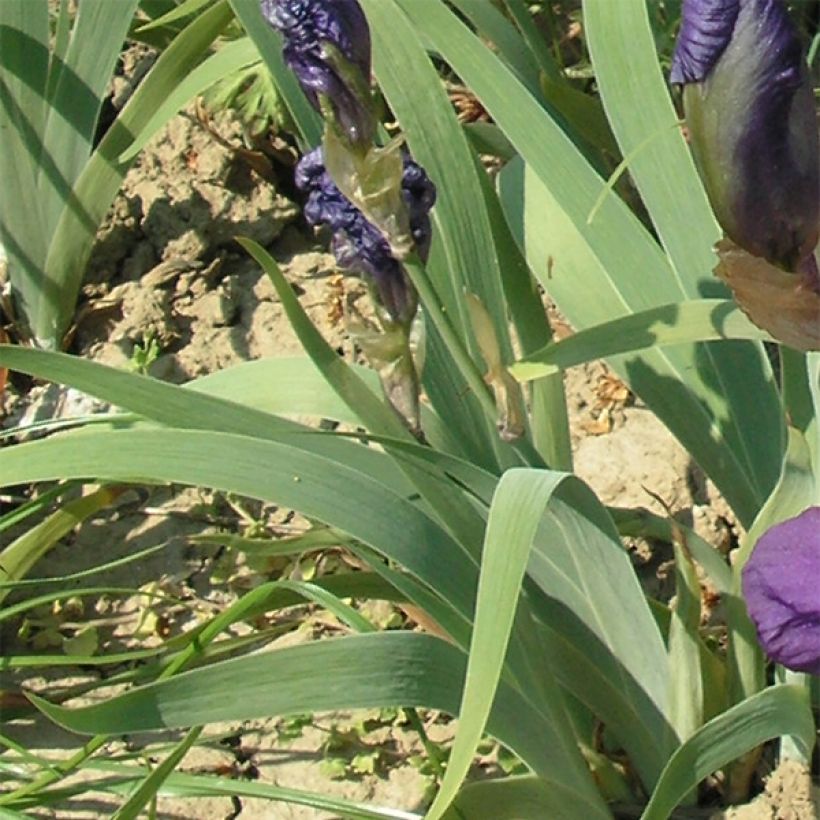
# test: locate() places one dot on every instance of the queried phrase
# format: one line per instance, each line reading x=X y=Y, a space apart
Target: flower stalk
x=374 y=199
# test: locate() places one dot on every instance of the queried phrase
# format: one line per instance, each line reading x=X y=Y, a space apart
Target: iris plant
x=375 y=200
x=751 y=118
x=781 y=584
x=327 y=46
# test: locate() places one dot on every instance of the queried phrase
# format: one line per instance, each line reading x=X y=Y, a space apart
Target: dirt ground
x=169 y=290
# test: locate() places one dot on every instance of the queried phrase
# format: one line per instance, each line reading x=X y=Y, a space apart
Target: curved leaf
x=319 y=487
x=360 y=671
x=516 y=511
x=778 y=710
x=699 y=320
x=617 y=666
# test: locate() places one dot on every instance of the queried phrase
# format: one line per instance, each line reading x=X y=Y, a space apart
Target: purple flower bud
x=751 y=119
x=357 y=244
x=781 y=585
x=327 y=46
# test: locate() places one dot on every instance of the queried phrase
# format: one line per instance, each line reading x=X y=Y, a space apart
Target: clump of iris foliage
x=463 y=503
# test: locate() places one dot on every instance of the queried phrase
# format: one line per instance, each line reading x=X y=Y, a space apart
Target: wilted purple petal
x=781 y=585
x=751 y=116
x=308 y=28
x=357 y=244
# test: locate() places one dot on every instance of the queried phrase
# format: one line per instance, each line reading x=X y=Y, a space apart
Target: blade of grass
x=139 y=555
x=370 y=408
x=48 y=597
x=549 y=422
x=32 y=507
x=184 y=9
x=147 y=790
x=20 y=556
x=686 y=695
x=184 y=784
x=534 y=39
x=229 y=58
x=494 y=26
x=315 y=539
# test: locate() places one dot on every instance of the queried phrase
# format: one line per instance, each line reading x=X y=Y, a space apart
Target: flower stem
x=469 y=370
x=441 y=322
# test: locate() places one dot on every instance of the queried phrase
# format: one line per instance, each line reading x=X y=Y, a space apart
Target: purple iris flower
x=327 y=46
x=357 y=244
x=751 y=118
x=781 y=585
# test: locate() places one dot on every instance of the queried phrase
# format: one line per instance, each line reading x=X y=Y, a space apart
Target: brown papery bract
x=783 y=304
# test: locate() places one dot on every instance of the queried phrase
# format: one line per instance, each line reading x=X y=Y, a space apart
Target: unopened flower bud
x=751 y=119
